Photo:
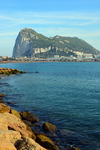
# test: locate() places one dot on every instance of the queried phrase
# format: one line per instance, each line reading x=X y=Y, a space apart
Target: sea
x=66 y=94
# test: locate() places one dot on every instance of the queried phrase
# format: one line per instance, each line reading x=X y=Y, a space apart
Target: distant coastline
x=34 y=61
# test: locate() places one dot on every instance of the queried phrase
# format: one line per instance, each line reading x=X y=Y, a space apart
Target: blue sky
x=72 y=18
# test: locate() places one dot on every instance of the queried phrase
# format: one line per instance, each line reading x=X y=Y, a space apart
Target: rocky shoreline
x=21 y=131
x=9 y=71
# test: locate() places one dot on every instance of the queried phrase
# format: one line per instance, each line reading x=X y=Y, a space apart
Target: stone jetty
x=8 y=71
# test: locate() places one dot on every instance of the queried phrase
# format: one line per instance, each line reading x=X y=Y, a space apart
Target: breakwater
x=9 y=71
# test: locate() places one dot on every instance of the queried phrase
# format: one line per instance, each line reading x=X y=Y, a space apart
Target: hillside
x=29 y=43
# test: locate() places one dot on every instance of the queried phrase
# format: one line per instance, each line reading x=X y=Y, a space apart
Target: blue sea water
x=64 y=93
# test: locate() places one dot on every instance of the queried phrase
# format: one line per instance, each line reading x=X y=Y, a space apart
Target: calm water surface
x=64 y=93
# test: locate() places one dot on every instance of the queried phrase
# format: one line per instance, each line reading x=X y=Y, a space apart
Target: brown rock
x=46 y=142
x=2 y=95
x=16 y=113
x=6 y=145
x=9 y=71
x=29 y=144
x=29 y=116
x=23 y=132
x=4 y=108
x=12 y=136
x=29 y=129
x=3 y=125
x=49 y=127
x=10 y=118
x=27 y=122
x=14 y=123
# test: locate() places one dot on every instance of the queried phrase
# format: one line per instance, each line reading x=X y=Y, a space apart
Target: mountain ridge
x=29 y=43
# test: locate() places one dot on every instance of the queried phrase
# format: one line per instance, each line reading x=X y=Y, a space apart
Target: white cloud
x=8 y=33
x=54 y=18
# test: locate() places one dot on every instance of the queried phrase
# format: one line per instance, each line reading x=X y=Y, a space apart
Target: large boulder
x=28 y=122
x=16 y=113
x=46 y=142
x=29 y=144
x=14 y=123
x=3 y=124
x=49 y=127
x=29 y=116
x=12 y=136
x=4 y=108
x=6 y=145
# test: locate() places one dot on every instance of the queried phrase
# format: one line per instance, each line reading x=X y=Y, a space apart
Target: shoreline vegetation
x=18 y=130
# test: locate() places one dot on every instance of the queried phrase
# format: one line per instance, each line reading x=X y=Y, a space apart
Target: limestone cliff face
x=32 y=44
x=28 y=43
x=23 y=43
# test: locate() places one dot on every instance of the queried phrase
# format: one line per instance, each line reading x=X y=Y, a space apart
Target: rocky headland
x=30 y=44
x=21 y=131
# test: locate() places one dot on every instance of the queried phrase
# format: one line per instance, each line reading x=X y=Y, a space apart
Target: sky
x=71 y=18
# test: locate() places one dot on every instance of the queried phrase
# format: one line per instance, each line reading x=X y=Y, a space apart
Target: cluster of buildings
x=79 y=57
x=4 y=58
x=87 y=57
